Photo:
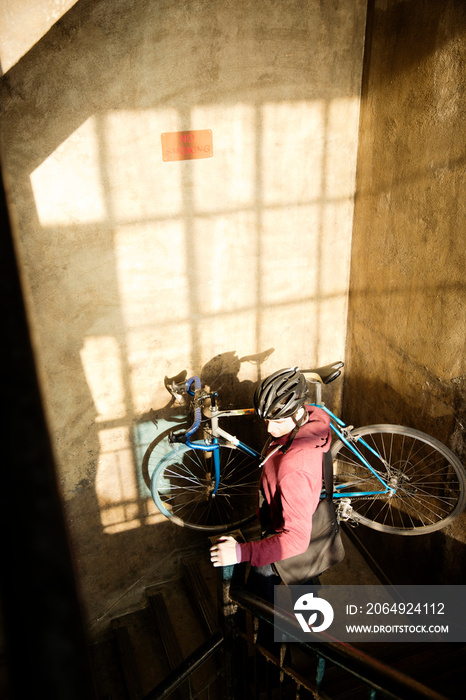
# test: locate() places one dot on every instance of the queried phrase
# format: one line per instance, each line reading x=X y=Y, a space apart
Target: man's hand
x=223 y=553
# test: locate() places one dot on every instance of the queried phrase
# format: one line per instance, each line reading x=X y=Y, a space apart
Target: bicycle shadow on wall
x=220 y=374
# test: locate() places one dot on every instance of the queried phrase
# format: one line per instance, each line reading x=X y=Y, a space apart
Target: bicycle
x=389 y=478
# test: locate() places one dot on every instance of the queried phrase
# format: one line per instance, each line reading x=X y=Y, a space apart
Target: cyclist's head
x=280 y=395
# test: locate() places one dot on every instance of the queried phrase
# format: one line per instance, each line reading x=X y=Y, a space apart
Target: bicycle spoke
x=183 y=485
x=178 y=475
x=243 y=465
x=425 y=479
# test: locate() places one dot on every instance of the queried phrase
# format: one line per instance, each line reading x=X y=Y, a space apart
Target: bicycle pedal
x=345 y=510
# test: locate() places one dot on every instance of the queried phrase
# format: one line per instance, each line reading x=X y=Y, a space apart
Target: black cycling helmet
x=281 y=395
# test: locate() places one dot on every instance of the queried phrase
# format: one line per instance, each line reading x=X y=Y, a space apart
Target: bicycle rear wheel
x=182 y=485
x=427 y=478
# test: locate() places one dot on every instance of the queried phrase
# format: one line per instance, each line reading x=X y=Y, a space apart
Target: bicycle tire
x=156 y=451
x=182 y=484
x=430 y=480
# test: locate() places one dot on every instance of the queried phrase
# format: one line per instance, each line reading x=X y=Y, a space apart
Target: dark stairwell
x=180 y=640
x=188 y=617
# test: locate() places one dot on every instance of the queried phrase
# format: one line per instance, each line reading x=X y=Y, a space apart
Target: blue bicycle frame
x=335 y=424
x=214 y=446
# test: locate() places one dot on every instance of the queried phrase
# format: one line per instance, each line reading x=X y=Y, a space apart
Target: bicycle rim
x=427 y=478
x=182 y=485
x=159 y=448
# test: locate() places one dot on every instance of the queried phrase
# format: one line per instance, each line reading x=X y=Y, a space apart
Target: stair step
x=128 y=663
x=107 y=671
x=162 y=619
x=168 y=636
x=144 y=654
x=199 y=594
x=181 y=629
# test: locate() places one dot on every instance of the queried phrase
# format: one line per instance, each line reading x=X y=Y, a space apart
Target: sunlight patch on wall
x=228 y=180
x=141 y=186
x=291 y=253
x=152 y=353
x=151 y=263
x=292 y=325
x=293 y=145
x=143 y=435
x=226 y=262
x=329 y=329
x=67 y=185
x=23 y=23
x=337 y=226
x=116 y=485
x=239 y=328
x=101 y=360
x=341 y=148
x=153 y=282
x=154 y=516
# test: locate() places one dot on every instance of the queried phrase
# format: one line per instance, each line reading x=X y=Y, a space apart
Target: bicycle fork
x=230 y=439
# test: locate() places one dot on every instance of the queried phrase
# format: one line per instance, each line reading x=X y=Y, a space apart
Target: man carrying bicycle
x=291 y=481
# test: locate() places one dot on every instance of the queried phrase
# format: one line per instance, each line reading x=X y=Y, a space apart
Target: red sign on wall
x=187 y=145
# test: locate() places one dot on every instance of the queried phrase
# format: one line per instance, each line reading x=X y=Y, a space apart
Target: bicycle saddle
x=260 y=357
x=325 y=374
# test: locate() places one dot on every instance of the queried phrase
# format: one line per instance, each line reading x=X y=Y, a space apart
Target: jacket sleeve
x=300 y=493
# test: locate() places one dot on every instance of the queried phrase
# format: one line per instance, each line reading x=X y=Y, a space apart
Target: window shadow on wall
x=135 y=268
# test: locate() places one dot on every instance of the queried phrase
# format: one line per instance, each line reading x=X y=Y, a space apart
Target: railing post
x=233 y=668
x=320 y=671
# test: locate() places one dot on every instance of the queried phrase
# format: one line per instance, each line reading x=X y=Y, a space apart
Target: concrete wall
x=406 y=326
x=135 y=268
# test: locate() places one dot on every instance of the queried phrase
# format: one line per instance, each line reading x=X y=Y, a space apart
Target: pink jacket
x=291 y=483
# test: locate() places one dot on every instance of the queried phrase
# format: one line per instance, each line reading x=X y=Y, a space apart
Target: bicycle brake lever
x=177 y=391
x=177 y=437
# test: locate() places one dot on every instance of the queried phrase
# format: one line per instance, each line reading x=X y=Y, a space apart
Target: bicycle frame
x=391 y=478
x=218 y=432
x=339 y=427
x=335 y=424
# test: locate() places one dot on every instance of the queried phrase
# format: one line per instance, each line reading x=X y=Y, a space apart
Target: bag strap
x=327 y=466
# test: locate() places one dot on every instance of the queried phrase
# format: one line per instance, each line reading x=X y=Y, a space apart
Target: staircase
x=175 y=627
x=144 y=646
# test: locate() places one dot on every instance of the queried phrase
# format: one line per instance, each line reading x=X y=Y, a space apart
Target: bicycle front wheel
x=427 y=480
x=182 y=487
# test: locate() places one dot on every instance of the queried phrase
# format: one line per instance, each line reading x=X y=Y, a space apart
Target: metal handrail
x=373 y=672
x=180 y=674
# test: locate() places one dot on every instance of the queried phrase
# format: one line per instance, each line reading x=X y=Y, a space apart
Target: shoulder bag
x=325 y=548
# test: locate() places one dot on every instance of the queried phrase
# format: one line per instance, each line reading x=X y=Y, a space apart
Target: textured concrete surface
x=24 y=23
x=135 y=268
x=406 y=325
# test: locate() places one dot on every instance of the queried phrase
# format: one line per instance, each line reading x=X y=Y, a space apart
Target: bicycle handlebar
x=184 y=437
